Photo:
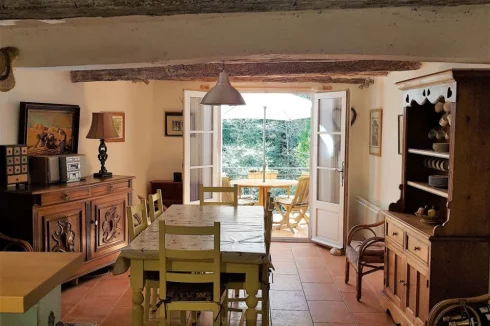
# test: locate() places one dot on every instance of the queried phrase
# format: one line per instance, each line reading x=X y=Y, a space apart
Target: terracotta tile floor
x=308 y=290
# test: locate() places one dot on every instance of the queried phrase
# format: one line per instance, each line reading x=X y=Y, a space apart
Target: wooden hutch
x=87 y=217
x=424 y=263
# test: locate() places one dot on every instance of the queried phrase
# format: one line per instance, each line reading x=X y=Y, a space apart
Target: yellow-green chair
x=297 y=203
x=232 y=200
x=137 y=216
x=155 y=205
x=190 y=279
x=242 y=200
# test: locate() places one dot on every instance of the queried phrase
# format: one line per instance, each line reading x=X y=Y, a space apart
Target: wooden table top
x=242 y=233
x=259 y=183
x=27 y=277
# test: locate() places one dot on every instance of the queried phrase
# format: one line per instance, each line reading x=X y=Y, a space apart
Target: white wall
x=136 y=100
x=383 y=173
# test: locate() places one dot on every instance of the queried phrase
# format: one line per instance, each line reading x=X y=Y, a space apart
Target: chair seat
x=246 y=202
x=191 y=291
x=250 y=197
x=287 y=200
x=373 y=254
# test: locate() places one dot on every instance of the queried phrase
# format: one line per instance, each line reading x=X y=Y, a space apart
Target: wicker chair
x=8 y=243
x=364 y=254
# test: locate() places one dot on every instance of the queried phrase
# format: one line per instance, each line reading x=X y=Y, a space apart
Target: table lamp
x=102 y=128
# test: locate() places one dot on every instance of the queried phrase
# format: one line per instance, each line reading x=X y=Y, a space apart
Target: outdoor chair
x=242 y=200
x=297 y=203
x=364 y=254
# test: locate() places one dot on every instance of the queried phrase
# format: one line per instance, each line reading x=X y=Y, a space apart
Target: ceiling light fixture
x=223 y=93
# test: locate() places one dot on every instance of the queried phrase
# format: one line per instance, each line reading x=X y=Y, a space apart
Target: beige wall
x=426 y=34
x=136 y=100
x=383 y=173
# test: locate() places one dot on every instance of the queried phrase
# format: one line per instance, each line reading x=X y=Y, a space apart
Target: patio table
x=263 y=186
x=242 y=248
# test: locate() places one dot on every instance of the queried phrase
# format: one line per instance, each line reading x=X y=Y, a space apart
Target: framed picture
x=119 y=122
x=49 y=129
x=400 y=133
x=375 y=131
x=174 y=124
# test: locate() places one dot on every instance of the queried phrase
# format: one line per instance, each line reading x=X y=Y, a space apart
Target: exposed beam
x=263 y=71
x=57 y=9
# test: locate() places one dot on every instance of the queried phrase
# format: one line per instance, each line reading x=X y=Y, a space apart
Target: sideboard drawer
x=59 y=197
x=394 y=232
x=417 y=248
x=110 y=188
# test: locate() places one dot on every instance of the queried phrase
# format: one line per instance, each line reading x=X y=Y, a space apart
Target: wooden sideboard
x=424 y=263
x=87 y=217
x=172 y=192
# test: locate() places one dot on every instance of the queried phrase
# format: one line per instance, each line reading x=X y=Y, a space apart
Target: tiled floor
x=308 y=289
x=299 y=232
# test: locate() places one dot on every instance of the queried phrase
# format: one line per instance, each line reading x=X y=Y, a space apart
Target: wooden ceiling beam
x=276 y=71
x=58 y=9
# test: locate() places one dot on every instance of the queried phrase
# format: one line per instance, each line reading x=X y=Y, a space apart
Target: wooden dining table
x=263 y=186
x=242 y=248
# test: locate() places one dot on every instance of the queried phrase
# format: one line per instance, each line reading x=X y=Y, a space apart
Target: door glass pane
x=329 y=114
x=199 y=176
x=201 y=116
x=328 y=183
x=329 y=151
x=201 y=149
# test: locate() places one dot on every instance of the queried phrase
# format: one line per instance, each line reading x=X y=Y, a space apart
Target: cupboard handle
x=416 y=248
x=111 y=188
x=67 y=197
x=395 y=233
x=403 y=283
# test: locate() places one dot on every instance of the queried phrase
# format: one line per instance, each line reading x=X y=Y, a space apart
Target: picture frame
x=375 y=131
x=400 y=134
x=174 y=124
x=119 y=122
x=49 y=129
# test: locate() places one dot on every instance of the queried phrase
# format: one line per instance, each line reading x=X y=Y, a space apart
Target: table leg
x=251 y=287
x=261 y=196
x=137 y=288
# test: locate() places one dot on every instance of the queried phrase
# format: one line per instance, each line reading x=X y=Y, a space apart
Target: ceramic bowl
x=439 y=181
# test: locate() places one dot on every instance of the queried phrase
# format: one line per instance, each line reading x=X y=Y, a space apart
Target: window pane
x=329 y=151
x=202 y=176
x=330 y=114
x=328 y=185
x=201 y=149
x=201 y=116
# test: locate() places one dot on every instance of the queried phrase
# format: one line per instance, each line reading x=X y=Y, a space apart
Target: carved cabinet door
x=61 y=228
x=108 y=231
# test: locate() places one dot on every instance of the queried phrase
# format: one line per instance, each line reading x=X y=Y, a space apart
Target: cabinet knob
x=111 y=188
x=67 y=197
x=402 y=282
x=416 y=248
x=395 y=233
x=95 y=222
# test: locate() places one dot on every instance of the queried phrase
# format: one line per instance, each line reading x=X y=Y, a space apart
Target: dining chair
x=190 y=278
x=243 y=200
x=137 y=216
x=155 y=205
x=236 y=281
x=233 y=201
x=297 y=203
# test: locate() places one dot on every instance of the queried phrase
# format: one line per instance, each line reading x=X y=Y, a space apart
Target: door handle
x=342 y=172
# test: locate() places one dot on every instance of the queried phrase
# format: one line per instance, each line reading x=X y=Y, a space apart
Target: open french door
x=328 y=178
x=202 y=146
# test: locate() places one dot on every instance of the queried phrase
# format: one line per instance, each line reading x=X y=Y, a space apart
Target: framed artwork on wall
x=49 y=129
x=400 y=134
x=174 y=124
x=119 y=122
x=375 y=131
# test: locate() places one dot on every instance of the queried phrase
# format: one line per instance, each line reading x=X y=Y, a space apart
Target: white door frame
x=343 y=199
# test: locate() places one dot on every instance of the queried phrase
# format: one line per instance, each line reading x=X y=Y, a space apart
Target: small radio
x=70 y=168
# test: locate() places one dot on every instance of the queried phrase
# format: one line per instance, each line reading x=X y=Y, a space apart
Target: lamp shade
x=223 y=93
x=102 y=126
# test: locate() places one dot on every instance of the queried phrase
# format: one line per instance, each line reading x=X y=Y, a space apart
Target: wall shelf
x=428 y=153
x=425 y=186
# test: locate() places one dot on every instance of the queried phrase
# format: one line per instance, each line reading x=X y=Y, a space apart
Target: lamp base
x=103 y=175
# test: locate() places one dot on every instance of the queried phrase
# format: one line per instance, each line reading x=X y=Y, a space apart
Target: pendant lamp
x=223 y=93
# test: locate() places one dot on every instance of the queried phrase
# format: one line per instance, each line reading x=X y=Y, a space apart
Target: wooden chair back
x=226 y=196
x=190 y=265
x=155 y=205
x=137 y=218
x=233 y=191
x=302 y=191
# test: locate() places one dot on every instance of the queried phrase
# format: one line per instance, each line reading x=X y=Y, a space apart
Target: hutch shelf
x=425 y=263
